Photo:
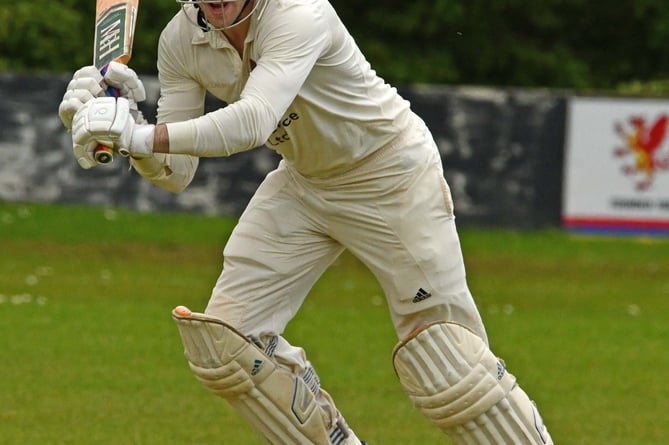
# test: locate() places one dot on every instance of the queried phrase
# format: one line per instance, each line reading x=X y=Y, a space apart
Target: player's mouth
x=216 y=9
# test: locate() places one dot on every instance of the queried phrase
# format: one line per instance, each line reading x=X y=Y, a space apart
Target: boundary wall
x=502 y=151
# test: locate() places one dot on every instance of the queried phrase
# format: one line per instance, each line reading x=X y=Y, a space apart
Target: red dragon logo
x=644 y=143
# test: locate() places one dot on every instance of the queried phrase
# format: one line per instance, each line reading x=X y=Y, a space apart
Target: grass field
x=91 y=356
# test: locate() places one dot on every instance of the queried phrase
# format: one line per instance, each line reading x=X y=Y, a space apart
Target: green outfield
x=90 y=354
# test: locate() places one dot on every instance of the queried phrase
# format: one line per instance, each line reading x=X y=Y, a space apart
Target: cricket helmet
x=198 y=18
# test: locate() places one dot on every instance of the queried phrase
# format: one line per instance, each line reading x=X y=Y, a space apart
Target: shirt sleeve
x=180 y=99
x=168 y=171
x=288 y=45
x=181 y=96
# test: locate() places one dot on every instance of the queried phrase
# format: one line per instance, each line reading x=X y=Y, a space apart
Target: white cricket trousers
x=393 y=211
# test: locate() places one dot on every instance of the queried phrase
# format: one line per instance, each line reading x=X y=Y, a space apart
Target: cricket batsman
x=359 y=171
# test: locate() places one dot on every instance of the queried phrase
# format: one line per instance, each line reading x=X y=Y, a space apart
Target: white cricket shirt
x=303 y=89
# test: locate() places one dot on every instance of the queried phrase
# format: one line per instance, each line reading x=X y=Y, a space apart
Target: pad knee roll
x=457 y=382
x=280 y=405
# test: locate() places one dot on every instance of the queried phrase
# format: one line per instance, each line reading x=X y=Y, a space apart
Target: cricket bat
x=114 y=32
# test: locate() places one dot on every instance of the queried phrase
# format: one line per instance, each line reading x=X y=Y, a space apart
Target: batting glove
x=129 y=85
x=125 y=79
x=108 y=121
x=87 y=83
x=84 y=86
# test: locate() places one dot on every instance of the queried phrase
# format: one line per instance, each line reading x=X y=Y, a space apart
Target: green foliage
x=58 y=36
x=553 y=43
x=152 y=18
x=651 y=88
x=91 y=355
x=44 y=37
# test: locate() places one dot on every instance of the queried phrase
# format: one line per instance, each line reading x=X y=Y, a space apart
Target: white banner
x=617 y=165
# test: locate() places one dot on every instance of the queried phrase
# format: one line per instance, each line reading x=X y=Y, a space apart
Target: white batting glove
x=87 y=83
x=108 y=121
x=84 y=86
x=130 y=86
x=125 y=79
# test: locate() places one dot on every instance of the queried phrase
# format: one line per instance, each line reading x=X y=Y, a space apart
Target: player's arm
x=170 y=172
x=181 y=98
x=290 y=45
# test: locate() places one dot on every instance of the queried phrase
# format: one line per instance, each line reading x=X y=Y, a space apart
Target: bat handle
x=102 y=153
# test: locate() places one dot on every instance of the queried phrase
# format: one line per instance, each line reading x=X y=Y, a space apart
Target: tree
x=553 y=43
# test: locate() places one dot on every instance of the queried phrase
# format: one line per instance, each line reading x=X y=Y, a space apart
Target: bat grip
x=102 y=153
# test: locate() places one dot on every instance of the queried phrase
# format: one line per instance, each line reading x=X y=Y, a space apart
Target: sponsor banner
x=616 y=176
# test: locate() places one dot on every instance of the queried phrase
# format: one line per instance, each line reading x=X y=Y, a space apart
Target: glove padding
x=125 y=79
x=87 y=83
x=108 y=121
x=84 y=86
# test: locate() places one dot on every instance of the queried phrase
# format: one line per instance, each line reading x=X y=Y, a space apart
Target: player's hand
x=125 y=79
x=108 y=121
x=86 y=84
x=129 y=85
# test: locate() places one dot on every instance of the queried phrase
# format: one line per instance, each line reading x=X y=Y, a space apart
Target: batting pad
x=457 y=382
x=277 y=403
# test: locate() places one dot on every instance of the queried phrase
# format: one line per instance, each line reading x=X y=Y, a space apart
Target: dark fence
x=502 y=153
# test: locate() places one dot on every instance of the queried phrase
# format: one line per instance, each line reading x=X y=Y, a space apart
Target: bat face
x=114 y=31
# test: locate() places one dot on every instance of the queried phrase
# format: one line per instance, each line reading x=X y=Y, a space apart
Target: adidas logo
x=257 y=366
x=500 y=371
x=421 y=295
